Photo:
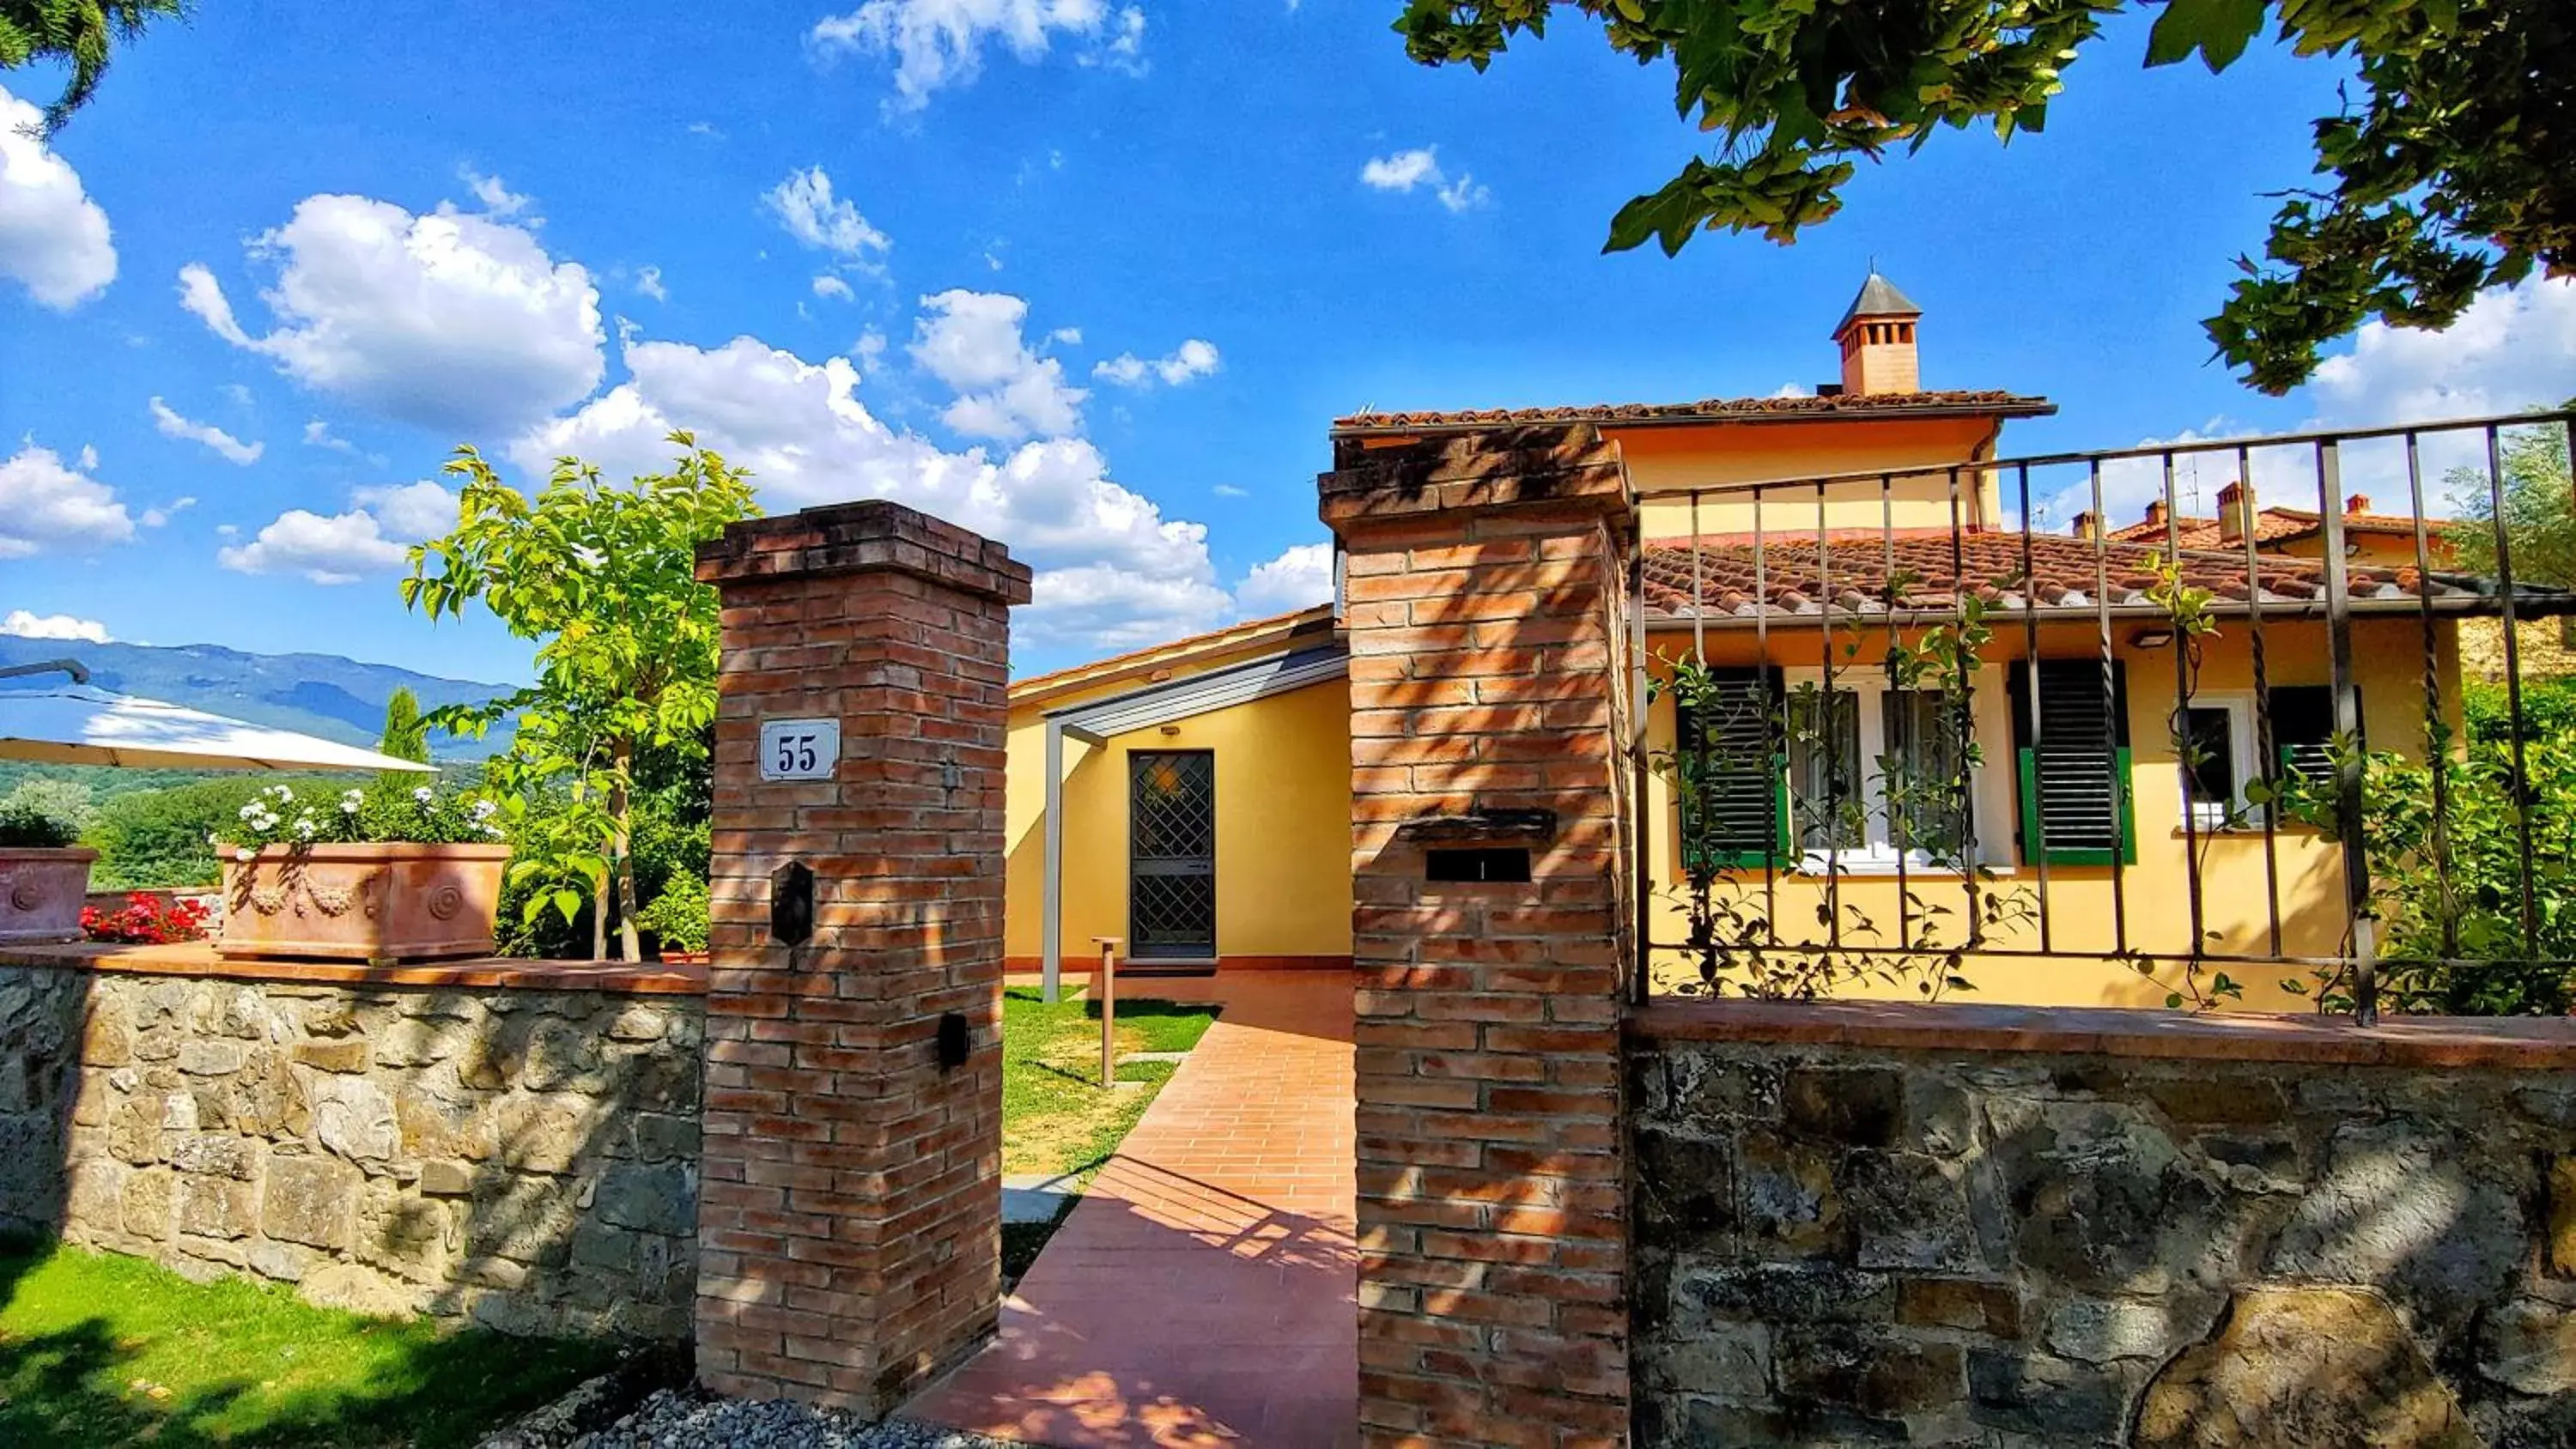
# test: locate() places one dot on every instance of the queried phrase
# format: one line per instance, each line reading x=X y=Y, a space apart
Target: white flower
x=284 y=795
x=349 y=806
x=423 y=794
x=214 y=839
x=492 y=830
x=250 y=811
x=244 y=854
x=304 y=826
x=484 y=809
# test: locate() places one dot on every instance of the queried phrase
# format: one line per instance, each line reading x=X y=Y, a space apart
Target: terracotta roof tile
x=2063 y=568
x=2271 y=525
x=1896 y=404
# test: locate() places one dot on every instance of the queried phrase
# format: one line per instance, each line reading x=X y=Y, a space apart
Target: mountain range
x=319 y=694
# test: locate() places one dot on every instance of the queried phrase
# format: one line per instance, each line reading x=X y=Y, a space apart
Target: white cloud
x=457 y=323
x=1405 y=170
x=1298 y=578
x=828 y=285
x=648 y=280
x=1228 y=490
x=156 y=517
x=410 y=512
x=805 y=205
x=371 y=538
x=46 y=507
x=88 y=458
x=28 y=625
x=317 y=434
x=339 y=549
x=1195 y=358
x=2513 y=348
x=941 y=43
x=498 y=201
x=229 y=448
x=239 y=394
x=972 y=342
x=53 y=238
x=1112 y=568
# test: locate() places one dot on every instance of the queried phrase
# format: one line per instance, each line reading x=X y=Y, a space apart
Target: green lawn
x=1055 y=1117
x=99 y=1350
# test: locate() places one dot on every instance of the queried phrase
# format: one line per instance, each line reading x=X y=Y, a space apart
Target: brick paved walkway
x=1203 y=1292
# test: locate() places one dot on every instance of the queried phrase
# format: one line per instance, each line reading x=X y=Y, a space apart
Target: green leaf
x=2218 y=29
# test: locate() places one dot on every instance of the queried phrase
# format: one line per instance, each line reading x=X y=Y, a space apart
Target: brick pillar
x=849 y=1213
x=1486 y=603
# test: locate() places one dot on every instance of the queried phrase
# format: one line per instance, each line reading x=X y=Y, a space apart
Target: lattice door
x=1171 y=833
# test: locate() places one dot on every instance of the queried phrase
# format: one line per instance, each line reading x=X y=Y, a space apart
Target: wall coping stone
x=198 y=959
x=844 y=538
x=2537 y=1043
x=1566 y=467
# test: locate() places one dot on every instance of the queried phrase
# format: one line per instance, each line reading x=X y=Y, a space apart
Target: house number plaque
x=799 y=749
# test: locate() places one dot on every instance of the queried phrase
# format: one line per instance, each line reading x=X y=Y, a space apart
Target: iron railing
x=1964 y=570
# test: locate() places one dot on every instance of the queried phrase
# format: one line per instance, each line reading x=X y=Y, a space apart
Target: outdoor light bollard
x=1108 y=1012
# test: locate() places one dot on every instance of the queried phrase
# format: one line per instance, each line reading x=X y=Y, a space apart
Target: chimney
x=2357 y=503
x=1877 y=339
x=2235 y=512
x=2086 y=525
x=2156 y=512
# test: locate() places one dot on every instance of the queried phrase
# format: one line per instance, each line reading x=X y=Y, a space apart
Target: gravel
x=687 y=1419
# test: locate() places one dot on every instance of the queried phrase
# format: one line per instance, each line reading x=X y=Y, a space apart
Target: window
x=1874 y=775
x=2071 y=752
x=2219 y=758
x=1733 y=812
x=2302 y=718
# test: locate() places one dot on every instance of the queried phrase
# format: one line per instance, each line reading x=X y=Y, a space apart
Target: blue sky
x=1091 y=277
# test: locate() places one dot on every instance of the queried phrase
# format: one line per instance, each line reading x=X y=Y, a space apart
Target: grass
x=1055 y=1117
x=99 y=1350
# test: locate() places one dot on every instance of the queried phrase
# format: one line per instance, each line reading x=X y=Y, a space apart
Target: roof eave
x=2019 y=408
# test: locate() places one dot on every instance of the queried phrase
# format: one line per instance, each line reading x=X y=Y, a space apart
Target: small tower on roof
x=1877 y=339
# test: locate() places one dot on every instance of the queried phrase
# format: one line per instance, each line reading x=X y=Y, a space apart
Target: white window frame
x=2244 y=748
x=1877 y=854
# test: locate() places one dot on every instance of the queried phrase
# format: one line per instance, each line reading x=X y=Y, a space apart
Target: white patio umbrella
x=80 y=724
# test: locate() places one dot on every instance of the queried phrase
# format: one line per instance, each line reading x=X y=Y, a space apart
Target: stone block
x=661 y=1198
x=354 y=1288
x=547 y=1134
x=215 y=1207
x=281 y=1262
x=432 y=1127
x=355 y=1118
x=2050 y=1399
x=563 y=1056
x=1786 y=1196
x=343 y=1055
x=2562 y=1216
x=1732 y=1360
x=2529 y=1346
x=310 y=1200
x=107 y=1036
x=446 y=1179
x=1909 y=1210
x=405 y=1234
x=639 y=1022
x=1686 y=1185
x=267 y=1099
x=329 y=1017
x=146 y=1204
x=199 y=1057
x=2098 y=1330
x=416 y=1041
x=217 y=1155
x=2410 y=1207
x=1784 y=1293
x=659 y=1138
x=1873 y=1375
x=2303 y=1368
x=1848 y=1106
x=1961 y=1303
x=524 y=1219
x=94 y=1190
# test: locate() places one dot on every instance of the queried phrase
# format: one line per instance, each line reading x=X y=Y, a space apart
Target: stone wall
x=2131 y=1242
x=524 y=1158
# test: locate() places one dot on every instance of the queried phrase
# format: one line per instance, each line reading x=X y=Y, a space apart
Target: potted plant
x=677 y=919
x=44 y=877
x=381 y=875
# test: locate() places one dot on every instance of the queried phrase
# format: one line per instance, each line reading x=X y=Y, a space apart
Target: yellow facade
x=2084 y=927
x=1663 y=460
x=1283 y=816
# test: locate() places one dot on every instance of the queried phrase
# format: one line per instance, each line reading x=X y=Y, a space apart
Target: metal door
x=1171 y=847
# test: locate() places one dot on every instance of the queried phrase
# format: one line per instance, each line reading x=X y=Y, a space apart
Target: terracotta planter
x=42 y=892
x=374 y=903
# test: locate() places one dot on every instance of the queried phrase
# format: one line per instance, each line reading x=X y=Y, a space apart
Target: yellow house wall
x=2155 y=892
x=1283 y=819
x=1664 y=459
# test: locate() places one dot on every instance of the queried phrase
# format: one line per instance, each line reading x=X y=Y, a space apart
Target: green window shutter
x=2077 y=805
x=1740 y=816
x=2303 y=727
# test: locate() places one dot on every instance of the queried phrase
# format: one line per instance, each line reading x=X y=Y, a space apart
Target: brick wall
x=1484 y=574
x=849 y=1224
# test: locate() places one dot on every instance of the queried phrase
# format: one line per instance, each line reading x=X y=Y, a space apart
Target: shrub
x=26 y=827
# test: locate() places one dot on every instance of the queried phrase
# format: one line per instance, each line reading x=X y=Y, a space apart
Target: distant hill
x=319 y=694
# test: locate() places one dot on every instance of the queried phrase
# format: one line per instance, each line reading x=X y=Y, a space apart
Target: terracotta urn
x=381 y=904
x=42 y=892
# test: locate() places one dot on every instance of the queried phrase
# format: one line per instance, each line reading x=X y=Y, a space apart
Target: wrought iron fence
x=1899 y=727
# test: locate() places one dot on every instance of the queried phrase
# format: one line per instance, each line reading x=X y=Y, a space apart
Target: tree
x=2539 y=511
x=406 y=737
x=78 y=32
x=2453 y=170
x=602 y=577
